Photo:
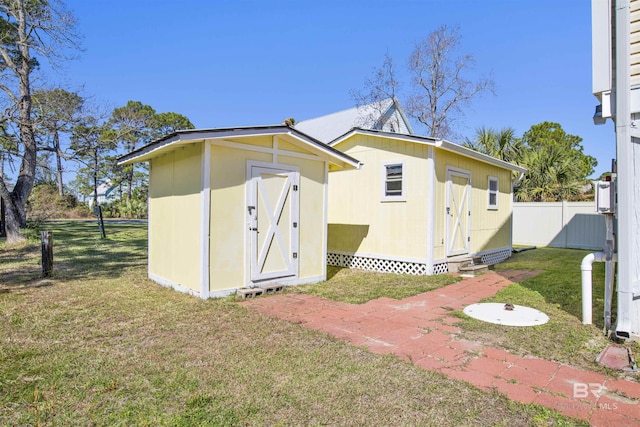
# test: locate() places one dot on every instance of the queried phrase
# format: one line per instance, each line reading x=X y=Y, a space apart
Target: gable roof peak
x=386 y=114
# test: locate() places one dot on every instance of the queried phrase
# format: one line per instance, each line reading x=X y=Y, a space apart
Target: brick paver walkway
x=419 y=329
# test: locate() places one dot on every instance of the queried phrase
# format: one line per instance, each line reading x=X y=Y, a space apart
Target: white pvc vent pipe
x=587 y=288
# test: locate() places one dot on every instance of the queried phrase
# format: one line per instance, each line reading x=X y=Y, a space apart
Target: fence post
x=565 y=223
x=47 y=252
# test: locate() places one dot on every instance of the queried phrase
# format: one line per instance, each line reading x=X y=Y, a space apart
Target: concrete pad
x=614 y=357
x=497 y=313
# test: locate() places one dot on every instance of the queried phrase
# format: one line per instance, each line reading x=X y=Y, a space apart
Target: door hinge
x=448 y=210
x=295 y=255
x=469 y=239
x=295 y=187
x=469 y=213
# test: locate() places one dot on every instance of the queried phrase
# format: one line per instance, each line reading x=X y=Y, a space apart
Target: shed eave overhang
x=467 y=152
x=445 y=145
x=338 y=159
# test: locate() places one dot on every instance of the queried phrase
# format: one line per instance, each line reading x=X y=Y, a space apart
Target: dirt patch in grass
x=357 y=286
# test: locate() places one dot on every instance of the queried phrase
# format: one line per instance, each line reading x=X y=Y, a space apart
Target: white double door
x=273 y=221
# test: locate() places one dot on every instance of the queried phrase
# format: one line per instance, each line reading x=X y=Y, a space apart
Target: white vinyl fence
x=558 y=224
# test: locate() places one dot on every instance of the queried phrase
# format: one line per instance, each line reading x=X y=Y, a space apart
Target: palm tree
x=501 y=144
x=550 y=176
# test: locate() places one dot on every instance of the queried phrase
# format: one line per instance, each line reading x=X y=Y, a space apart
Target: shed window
x=393 y=181
x=493 y=193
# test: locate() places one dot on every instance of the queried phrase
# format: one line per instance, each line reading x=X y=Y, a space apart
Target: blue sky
x=231 y=63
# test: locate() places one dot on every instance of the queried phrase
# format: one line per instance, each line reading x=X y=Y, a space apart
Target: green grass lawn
x=99 y=344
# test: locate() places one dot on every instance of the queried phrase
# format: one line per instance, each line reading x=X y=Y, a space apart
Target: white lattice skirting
x=495 y=257
x=377 y=264
x=440 y=268
x=405 y=267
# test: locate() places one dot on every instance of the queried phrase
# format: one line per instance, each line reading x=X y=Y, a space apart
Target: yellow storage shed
x=237 y=207
x=418 y=204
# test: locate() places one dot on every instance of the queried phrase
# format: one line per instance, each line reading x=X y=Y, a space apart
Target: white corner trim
x=431 y=206
x=325 y=223
x=205 y=220
x=149 y=214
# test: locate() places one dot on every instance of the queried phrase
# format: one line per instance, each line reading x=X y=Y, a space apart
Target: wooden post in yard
x=47 y=252
x=103 y=234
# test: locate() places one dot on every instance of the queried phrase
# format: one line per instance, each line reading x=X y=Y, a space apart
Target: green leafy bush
x=130 y=209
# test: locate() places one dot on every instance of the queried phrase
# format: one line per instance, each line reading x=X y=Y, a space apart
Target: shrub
x=45 y=203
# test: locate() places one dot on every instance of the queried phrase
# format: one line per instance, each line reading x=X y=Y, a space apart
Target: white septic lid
x=501 y=314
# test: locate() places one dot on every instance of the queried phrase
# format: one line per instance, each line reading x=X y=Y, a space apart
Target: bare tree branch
x=442 y=92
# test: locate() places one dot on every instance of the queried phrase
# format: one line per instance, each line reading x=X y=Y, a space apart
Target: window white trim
x=401 y=196
x=490 y=192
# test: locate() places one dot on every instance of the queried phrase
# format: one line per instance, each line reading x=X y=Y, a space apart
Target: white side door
x=458 y=212
x=272 y=213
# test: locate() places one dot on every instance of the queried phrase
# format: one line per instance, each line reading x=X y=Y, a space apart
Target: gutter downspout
x=625 y=164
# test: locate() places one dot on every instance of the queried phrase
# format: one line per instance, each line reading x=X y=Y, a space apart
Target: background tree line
x=44 y=128
x=70 y=134
x=557 y=168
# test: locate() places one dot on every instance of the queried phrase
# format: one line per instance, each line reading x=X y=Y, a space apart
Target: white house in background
x=105 y=193
x=386 y=115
